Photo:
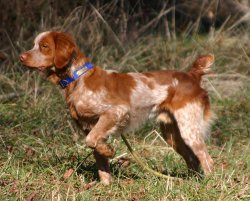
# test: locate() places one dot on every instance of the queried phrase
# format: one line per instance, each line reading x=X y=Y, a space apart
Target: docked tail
x=202 y=64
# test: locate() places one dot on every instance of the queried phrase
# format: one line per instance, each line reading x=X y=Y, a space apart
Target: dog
x=104 y=103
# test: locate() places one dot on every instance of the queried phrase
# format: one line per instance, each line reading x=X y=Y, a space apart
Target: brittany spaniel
x=105 y=103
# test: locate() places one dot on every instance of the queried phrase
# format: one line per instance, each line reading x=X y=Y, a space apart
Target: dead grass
x=43 y=154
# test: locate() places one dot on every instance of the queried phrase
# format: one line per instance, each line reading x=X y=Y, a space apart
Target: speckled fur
x=105 y=103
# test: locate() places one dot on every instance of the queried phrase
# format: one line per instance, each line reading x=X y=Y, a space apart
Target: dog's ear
x=64 y=49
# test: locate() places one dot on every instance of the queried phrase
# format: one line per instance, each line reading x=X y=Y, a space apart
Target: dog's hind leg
x=171 y=134
x=193 y=127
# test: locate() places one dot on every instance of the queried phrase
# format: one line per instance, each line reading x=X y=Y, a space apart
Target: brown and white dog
x=104 y=103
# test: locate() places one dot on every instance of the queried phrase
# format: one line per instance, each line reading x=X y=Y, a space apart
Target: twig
x=228 y=76
x=162 y=13
x=108 y=27
x=13 y=95
x=118 y=157
x=11 y=43
x=214 y=89
x=242 y=19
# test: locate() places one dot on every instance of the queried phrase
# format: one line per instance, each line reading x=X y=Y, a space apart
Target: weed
x=43 y=155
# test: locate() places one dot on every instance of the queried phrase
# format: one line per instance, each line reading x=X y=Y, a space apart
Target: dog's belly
x=138 y=116
x=145 y=100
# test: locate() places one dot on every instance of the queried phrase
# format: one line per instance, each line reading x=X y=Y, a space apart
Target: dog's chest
x=85 y=106
x=88 y=103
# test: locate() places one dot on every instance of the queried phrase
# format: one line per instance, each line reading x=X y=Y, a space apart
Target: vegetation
x=43 y=155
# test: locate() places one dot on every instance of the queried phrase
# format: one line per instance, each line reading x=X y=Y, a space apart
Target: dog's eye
x=44 y=46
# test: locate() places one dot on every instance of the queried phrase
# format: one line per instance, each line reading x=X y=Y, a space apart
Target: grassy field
x=43 y=156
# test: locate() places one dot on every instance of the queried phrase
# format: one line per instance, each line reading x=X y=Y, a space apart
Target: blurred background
x=39 y=143
x=100 y=22
x=134 y=34
x=128 y=19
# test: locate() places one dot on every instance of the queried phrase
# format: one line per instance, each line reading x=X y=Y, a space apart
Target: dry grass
x=40 y=144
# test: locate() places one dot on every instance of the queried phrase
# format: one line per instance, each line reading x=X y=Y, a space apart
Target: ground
x=43 y=155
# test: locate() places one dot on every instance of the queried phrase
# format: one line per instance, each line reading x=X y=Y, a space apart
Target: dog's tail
x=201 y=65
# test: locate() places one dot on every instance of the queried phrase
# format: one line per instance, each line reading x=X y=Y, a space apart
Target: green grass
x=39 y=142
x=37 y=148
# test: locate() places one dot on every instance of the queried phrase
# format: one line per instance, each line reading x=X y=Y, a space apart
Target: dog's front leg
x=102 y=164
x=96 y=139
x=108 y=123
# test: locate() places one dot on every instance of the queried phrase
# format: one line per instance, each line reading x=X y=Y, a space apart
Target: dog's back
x=103 y=102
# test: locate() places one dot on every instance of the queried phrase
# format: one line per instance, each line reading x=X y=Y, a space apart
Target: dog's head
x=50 y=49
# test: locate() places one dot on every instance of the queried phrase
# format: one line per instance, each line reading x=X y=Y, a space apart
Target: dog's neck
x=76 y=62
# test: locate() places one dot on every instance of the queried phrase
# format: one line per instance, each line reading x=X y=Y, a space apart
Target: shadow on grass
x=89 y=170
x=185 y=176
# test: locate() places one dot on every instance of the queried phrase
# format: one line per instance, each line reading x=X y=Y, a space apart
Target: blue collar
x=78 y=73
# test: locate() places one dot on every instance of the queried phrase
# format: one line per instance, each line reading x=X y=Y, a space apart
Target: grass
x=40 y=144
x=38 y=148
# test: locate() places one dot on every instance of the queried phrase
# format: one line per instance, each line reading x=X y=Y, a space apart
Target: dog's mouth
x=32 y=67
x=42 y=68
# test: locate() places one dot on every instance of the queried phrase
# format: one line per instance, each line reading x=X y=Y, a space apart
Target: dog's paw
x=105 y=150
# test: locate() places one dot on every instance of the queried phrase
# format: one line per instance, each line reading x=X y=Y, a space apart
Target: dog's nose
x=22 y=57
